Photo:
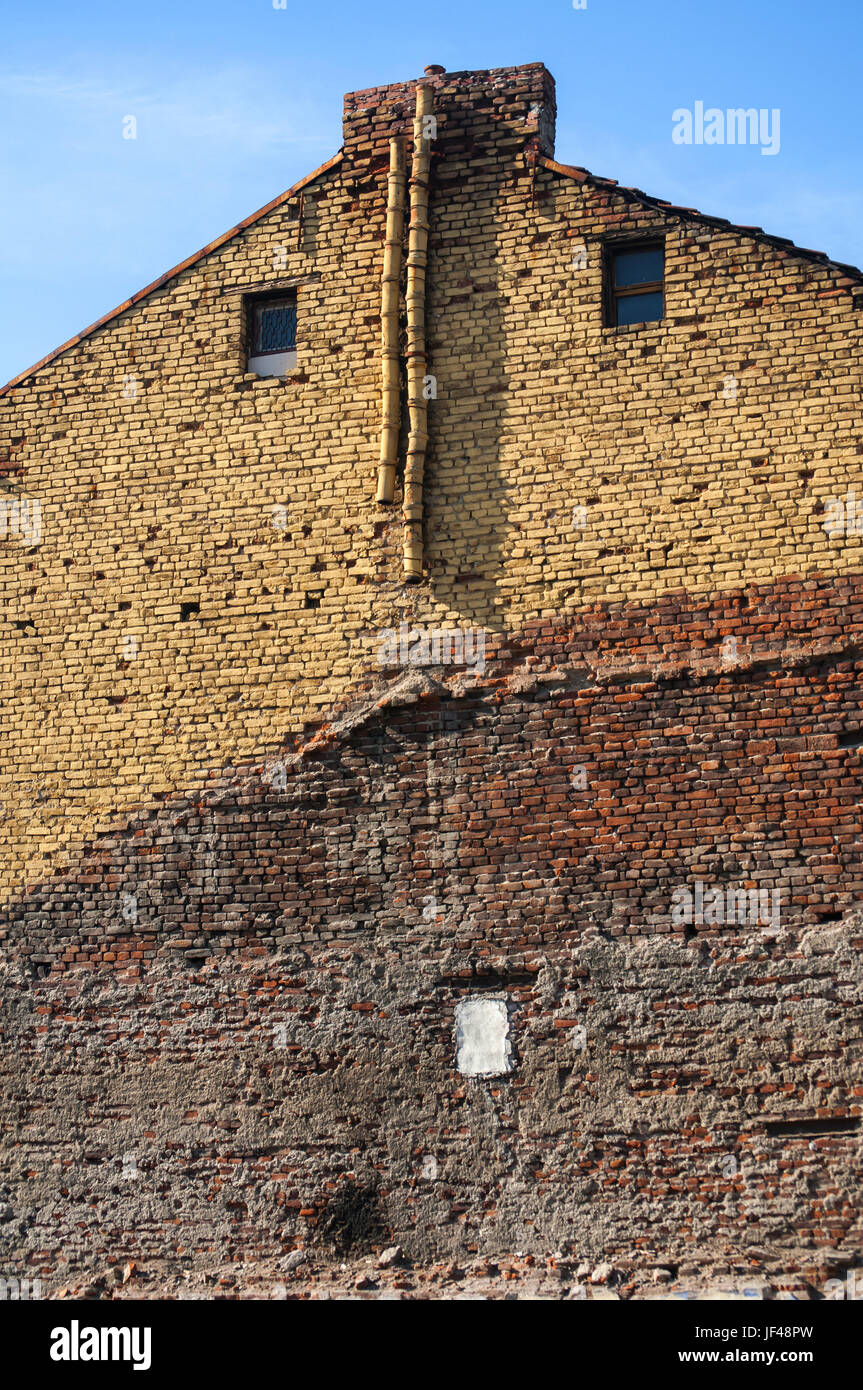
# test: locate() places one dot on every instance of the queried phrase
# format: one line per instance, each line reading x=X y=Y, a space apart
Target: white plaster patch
x=482 y=1037
x=273 y=363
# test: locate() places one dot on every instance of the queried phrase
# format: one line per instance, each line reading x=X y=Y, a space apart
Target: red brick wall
x=272 y=1038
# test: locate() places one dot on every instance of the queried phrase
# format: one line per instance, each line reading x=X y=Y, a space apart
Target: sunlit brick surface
x=250 y=870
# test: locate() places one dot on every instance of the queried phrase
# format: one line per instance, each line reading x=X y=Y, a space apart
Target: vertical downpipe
x=412 y=506
x=390 y=372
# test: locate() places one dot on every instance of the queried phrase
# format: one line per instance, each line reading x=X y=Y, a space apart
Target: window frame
x=254 y=303
x=613 y=295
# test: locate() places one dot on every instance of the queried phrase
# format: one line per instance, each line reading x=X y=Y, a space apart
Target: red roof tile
x=585 y=176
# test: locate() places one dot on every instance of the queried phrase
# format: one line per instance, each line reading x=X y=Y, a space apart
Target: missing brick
x=852 y=739
x=811 y=1127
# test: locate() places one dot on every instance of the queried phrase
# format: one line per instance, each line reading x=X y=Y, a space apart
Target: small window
x=273 y=333
x=635 y=284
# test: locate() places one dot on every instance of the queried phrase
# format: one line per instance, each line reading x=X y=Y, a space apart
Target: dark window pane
x=639 y=308
x=275 y=326
x=637 y=267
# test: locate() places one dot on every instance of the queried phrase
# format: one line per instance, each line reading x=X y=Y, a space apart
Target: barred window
x=272 y=333
x=274 y=324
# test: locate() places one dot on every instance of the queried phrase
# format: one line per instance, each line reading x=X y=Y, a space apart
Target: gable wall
x=170 y=498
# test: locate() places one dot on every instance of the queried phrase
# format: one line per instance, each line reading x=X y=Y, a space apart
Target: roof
x=176 y=270
x=567 y=170
x=572 y=171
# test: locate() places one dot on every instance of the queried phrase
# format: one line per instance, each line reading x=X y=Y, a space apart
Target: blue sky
x=234 y=101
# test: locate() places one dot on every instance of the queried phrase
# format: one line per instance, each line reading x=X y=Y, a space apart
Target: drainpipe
x=390 y=370
x=412 y=506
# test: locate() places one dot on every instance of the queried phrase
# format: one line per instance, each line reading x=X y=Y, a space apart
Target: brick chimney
x=501 y=111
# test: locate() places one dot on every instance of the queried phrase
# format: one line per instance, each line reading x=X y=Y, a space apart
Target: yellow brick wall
x=169 y=499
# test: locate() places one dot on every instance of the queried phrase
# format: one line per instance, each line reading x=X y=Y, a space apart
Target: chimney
x=500 y=111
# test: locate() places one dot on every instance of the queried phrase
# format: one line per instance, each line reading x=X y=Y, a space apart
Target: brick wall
x=169 y=498
x=250 y=869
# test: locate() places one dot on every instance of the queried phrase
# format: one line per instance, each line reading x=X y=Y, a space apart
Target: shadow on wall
x=564 y=792
x=468 y=491
x=233 y=1024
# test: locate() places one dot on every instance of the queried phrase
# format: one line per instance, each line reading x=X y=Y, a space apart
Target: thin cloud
x=199 y=107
